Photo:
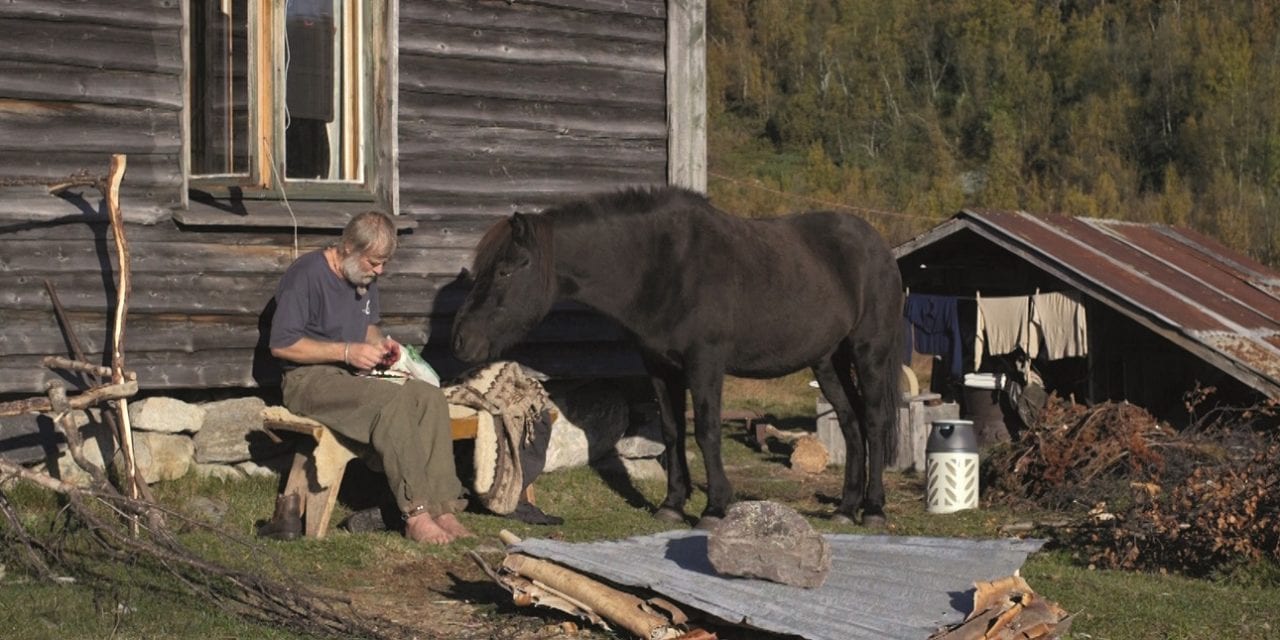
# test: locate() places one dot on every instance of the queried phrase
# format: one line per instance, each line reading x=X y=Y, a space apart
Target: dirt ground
x=450 y=599
x=454 y=599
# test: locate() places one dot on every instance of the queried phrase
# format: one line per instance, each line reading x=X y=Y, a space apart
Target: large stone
x=590 y=420
x=98 y=446
x=643 y=438
x=162 y=456
x=232 y=432
x=222 y=472
x=167 y=415
x=644 y=469
x=770 y=541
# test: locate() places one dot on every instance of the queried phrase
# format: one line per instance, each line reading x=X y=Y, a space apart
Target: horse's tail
x=893 y=387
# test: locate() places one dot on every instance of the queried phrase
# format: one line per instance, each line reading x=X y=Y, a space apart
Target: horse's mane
x=595 y=208
x=499 y=235
x=627 y=202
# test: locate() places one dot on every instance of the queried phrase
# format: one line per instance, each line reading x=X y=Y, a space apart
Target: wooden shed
x=255 y=128
x=1167 y=310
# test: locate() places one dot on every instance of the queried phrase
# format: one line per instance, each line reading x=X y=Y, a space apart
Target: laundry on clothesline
x=1060 y=316
x=935 y=328
x=1006 y=324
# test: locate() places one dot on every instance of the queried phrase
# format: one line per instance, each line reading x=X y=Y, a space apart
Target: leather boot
x=286 y=522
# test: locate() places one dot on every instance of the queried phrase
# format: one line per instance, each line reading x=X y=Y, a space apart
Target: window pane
x=319 y=123
x=220 y=88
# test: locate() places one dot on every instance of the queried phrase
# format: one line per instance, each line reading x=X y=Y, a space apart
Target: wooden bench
x=320 y=463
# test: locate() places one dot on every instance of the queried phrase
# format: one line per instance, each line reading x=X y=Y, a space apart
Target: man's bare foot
x=452 y=526
x=422 y=528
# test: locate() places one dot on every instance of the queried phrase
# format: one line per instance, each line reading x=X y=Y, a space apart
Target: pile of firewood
x=1143 y=495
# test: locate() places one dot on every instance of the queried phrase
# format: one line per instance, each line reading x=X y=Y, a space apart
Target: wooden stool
x=318 y=469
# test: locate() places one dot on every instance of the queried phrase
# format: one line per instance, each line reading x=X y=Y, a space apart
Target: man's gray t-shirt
x=314 y=302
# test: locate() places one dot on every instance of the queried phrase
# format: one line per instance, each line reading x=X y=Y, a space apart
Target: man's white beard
x=359 y=279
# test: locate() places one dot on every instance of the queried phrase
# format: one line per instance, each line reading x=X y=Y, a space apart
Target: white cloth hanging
x=1003 y=326
x=1061 y=322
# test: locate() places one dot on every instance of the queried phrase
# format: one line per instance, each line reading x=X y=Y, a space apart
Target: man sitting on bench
x=325 y=332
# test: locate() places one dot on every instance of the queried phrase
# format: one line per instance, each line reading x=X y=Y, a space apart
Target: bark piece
x=809 y=455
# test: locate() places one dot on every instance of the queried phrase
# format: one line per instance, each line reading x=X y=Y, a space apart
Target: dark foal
x=705 y=294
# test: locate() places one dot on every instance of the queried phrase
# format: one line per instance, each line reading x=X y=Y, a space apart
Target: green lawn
x=123 y=600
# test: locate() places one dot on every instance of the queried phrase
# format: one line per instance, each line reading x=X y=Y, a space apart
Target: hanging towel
x=1060 y=318
x=1003 y=326
x=937 y=328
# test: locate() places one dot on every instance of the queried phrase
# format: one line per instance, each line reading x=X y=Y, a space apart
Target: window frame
x=364 y=20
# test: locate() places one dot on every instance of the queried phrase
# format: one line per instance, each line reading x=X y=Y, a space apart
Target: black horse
x=705 y=294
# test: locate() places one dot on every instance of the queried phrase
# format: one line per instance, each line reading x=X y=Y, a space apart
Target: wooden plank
x=36 y=332
x=36 y=208
x=522 y=46
x=258 y=214
x=93 y=45
x=446 y=142
x=628 y=26
x=151 y=258
x=46 y=82
x=158 y=172
x=123 y=13
x=649 y=8
x=623 y=121
x=581 y=84
x=213 y=294
x=522 y=184
x=44 y=126
x=687 y=94
x=248 y=369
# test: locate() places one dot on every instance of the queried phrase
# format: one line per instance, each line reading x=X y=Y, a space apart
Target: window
x=280 y=98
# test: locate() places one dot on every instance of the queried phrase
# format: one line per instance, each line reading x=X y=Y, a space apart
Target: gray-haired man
x=325 y=332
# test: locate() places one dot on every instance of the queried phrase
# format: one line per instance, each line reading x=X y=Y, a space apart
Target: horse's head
x=512 y=288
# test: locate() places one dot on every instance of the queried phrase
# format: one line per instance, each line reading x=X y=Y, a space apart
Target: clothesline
x=1003 y=324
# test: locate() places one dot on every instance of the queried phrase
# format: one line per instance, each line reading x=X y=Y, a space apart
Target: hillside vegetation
x=908 y=111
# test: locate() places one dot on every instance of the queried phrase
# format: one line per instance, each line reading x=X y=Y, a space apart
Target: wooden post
x=687 y=94
x=114 y=176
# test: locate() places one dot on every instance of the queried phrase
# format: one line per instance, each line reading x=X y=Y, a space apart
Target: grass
x=122 y=602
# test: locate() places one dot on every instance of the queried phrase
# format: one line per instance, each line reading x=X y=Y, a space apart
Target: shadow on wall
x=267 y=373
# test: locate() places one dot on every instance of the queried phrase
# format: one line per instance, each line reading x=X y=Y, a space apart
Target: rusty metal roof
x=1212 y=300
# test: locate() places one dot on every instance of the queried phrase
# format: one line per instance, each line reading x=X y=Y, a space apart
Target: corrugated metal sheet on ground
x=880 y=587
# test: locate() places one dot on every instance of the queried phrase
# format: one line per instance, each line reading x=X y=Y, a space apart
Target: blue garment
x=314 y=302
x=936 y=328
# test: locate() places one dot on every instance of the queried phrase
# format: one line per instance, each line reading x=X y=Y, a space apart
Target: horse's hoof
x=667 y=514
x=841 y=519
x=707 y=523
x=874 y=521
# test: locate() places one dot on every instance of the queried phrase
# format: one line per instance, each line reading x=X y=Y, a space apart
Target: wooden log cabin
x=254 y=129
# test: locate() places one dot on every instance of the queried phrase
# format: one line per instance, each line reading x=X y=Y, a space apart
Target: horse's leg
x=669 y=387
x=876 y=361
x=706 y=383
x=836 y=383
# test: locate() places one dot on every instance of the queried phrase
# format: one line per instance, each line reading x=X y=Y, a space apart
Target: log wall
x=501 y=107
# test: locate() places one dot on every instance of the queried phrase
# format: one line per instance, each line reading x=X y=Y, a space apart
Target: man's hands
x=364 y=356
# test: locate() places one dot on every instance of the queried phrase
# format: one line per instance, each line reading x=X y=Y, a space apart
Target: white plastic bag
x=413 y=365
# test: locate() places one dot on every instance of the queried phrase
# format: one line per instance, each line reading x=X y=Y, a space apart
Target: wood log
x=88 y=398
x=118 y=164
x=66 y=423
x=59 y=362
x=619 y=607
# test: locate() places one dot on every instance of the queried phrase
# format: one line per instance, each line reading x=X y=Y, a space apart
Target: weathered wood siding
x=501 y=106
x=514 y=105
x=80 y=81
